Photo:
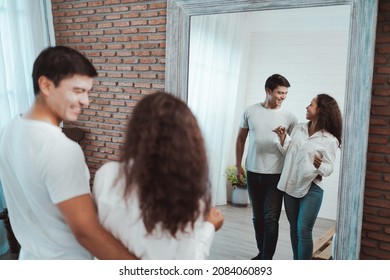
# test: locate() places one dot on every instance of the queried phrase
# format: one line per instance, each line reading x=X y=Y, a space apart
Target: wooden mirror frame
x=357 y=99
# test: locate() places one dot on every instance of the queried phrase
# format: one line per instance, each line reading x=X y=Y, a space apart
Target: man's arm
x=240 y=145
x=80 y=214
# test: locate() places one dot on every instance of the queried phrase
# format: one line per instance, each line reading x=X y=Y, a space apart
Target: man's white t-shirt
x=39 y=168
x=263 y=154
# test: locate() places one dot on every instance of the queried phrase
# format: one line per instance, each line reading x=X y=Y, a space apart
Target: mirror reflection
x=363 y=18
x=231 y=56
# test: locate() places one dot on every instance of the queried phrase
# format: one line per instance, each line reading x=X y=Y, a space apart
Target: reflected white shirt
x=298 y=171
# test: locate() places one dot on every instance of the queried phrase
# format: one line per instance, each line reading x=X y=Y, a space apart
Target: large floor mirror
x=354 y=91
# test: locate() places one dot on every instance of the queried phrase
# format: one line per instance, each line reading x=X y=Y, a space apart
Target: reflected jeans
x=4 y=247
x=266 y=201
x=302 y=214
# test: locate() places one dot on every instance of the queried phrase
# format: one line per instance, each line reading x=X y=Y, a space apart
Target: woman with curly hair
x=157 y=200
x=311 y=152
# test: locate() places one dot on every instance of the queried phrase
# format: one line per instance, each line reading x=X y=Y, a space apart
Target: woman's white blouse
x=122 y=217
x=298 y=170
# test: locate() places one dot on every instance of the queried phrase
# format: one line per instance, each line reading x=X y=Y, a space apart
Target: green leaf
x=231 y=177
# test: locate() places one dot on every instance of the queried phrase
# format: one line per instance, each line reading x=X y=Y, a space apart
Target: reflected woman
x=310 y=155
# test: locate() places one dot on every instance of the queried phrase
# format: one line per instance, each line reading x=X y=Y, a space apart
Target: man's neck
x=267 y=105
x=39 y=111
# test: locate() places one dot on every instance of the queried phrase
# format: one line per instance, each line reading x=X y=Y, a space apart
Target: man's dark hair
x=58 y=63
x=276 y=80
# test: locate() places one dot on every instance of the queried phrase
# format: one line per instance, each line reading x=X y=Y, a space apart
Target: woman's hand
x=216 y=218
x=281 y=132
x=317 y=160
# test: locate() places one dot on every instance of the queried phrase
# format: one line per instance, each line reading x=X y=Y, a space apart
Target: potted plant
x=239 y=192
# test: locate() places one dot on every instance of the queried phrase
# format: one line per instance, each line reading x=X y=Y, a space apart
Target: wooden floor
x=236 y=239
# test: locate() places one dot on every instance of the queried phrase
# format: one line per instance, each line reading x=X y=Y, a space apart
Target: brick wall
x=125 y=39
x=376 y=218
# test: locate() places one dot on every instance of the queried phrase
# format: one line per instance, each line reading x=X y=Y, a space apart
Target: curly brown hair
x=165 y=161
x=329 y=115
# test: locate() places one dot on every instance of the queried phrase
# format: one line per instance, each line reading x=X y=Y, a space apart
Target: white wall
x=309 y=47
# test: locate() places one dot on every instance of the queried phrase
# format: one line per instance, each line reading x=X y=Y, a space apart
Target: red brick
x=95 y=3
x=120 y=9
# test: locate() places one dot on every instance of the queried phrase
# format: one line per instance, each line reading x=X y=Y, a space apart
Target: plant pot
x=239 y=197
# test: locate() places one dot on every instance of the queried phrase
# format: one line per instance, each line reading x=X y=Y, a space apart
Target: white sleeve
x=205 y=238
x=287 y=141
x=66 y=175
x=328 y=158
x=196 y=246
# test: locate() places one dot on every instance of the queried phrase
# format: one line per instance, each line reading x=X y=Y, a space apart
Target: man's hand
x=240 y=174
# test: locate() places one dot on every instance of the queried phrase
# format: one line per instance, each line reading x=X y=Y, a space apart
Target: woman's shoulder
x=109 y=166
x=107 y=172
x=300 y=129
x=330 y=137
x=105 y=178
x=302 y=126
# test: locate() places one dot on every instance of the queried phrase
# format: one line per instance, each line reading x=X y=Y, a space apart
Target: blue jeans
x=266 y=201
x=4 y=247
x=302 y=214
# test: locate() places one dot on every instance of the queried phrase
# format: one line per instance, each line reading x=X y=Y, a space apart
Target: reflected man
x=264 y=161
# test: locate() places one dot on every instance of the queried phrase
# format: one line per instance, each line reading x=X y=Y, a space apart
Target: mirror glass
x=359 y=71
x=231 y=56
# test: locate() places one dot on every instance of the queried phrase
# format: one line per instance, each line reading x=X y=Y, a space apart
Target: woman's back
x=121 y=215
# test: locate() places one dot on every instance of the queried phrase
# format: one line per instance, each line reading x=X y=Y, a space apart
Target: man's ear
x=44 y=85
x=268 y=91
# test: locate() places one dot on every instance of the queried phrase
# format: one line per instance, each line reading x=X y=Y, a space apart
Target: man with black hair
x=264 y=161
x=44 y=174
